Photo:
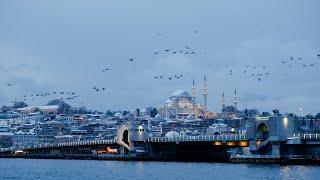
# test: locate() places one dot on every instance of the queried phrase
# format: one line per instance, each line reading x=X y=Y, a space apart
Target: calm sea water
x=87 y=169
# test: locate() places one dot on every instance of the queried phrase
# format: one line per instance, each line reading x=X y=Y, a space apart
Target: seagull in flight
x=106 y=69
x=131 y=59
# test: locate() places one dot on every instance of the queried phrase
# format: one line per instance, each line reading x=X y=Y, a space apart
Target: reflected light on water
x=294 y=172
x=139 y=166
x=285 y=172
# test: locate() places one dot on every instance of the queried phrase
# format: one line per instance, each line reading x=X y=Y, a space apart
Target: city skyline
x=66 y=46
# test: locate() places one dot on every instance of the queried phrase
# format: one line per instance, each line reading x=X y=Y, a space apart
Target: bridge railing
x=254 y=156
x=307 y=136
x=198 y=138
x=63 y=144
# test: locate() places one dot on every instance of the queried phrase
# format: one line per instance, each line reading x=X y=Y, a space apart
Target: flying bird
x=107 y=69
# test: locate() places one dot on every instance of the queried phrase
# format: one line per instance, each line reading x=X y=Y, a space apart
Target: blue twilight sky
x=63 y=45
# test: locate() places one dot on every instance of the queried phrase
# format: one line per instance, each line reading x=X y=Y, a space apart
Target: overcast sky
x=64 y=45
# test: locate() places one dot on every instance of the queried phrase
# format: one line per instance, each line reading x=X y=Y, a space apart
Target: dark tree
x=19 y=104
x=64 y=108
x=154 y=112
x=124 y=113
x=109 y=113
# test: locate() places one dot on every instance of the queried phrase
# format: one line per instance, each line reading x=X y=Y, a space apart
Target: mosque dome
x=118 y=115
x=190 y=117
x=172 y=134
x=169 y=101
x=181 y=93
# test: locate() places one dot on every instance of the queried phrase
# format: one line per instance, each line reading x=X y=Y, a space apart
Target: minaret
x=205 y=93
x=235 y=101
x=223 y=102
x=193 y=92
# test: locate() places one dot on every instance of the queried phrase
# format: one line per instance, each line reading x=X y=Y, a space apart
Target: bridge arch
x=125 y=137
x=262 y=132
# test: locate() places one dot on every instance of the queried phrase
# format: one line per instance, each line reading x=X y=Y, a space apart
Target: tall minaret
x=235 y=101
x=223 y=102
x=205 y=93
x=193 y=92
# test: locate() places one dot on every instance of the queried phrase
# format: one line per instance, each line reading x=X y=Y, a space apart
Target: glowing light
x=285 y=122
x=243 y=143
x=231 y=143
x=218 y=143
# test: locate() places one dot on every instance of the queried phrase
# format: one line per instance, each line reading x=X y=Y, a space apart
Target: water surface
x=89 y=169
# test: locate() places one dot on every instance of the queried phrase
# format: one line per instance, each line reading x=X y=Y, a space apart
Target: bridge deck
x=199 y=138
x=58 y=145
x=307 y=136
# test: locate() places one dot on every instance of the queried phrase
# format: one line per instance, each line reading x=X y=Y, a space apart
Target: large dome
x=171 y=134
x=181 y=93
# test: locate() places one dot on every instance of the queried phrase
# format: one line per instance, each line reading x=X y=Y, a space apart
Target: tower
x=235 y=101
x=223 y=102
x=193 y=92
x=205 y=93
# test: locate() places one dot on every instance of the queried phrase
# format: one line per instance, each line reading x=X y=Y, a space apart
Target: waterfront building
x=6 y=139
x=53 y=109
x=25 y=139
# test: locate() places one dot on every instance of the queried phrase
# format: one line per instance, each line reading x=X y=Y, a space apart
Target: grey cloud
x=64 y=45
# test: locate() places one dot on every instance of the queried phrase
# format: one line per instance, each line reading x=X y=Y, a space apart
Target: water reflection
x=139 y=166
x=62 y=169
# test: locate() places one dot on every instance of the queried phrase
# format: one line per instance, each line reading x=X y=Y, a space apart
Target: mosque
x=182 y=105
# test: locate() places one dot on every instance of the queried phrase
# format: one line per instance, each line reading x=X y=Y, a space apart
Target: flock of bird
x=98 y=89
x=186 y=51
x=176 y=76
x=261 y=71
x=292 y=61
x=254 y=71
x=67 y=95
